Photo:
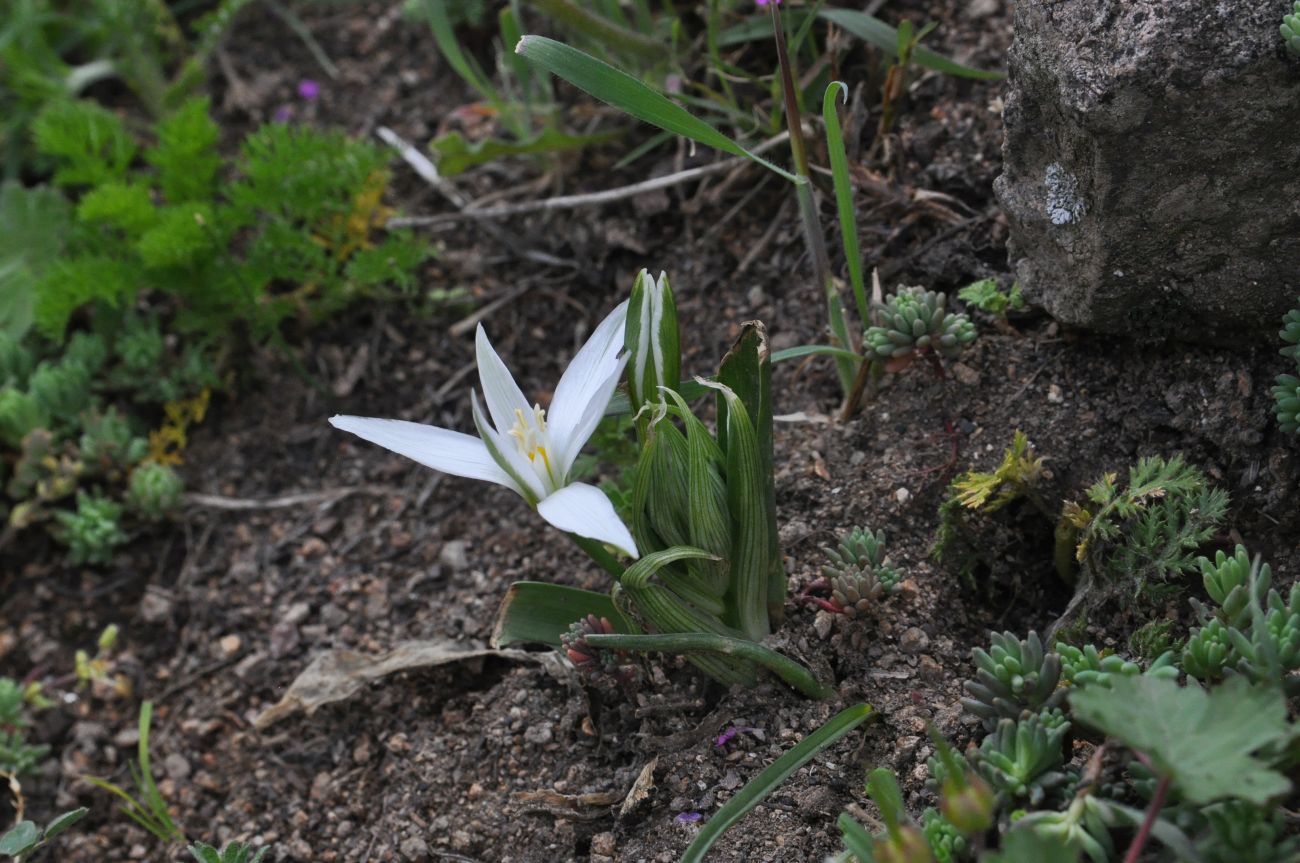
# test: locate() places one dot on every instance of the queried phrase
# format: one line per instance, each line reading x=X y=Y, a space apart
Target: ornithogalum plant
x=710 y=581
x=522 y=448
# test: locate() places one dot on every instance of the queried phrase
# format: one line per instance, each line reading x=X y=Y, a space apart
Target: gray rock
x=1150 y=158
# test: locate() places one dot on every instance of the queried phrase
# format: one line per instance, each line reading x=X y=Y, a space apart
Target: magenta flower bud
x=308 y=89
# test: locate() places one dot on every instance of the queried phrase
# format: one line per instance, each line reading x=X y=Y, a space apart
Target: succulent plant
x=1287 y=396
x=1291 y=30
x=93 y=531
x=1089 y=666
x=1208 y=652
x=1014 y=676
x=154 y=490
x=1290 y=332
x=914 y=320
x=1228 y=582
x=1272 y=651
x=947 y=844
x=1022 y=758
x=108 y=446
x=1241 y=833
x=591 y=662
x=859 y=573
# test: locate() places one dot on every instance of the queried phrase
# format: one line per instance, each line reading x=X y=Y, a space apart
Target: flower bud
x=652 y=341
x=968 y=803
x=907 y=845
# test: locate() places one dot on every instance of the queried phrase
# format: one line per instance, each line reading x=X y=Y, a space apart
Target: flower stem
x=783 y=667
x=812 y=229
x=1140 y=840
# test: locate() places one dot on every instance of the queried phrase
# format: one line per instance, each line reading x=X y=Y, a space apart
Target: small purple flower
x=732 y=730
x=766 y=2
x=283 y=114
x=688 y=817
x=308 y=89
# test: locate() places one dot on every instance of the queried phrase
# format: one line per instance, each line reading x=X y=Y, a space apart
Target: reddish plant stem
x=1144 y=832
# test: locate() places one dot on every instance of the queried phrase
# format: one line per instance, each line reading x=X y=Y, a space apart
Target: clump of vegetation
x=17 y=756
x=1146 y=530
x=972 y=532
x=234 y=852
x=987 y=296
x=1076 y=736
x=293 y=237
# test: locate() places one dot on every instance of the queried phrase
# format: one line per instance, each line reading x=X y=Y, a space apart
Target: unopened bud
x=967 y=803
x=908 y=845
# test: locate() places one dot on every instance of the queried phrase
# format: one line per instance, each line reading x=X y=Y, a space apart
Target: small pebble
x=913 y=640
x=902 y=495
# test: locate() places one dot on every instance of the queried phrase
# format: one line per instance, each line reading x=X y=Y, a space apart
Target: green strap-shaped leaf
x=844 y=198
x=621 y=90
x=534 y=612
x=757 y=789
x=876 y=32
x=747 y=370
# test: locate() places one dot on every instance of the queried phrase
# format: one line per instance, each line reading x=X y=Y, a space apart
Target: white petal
x=586 y=378
x=500 y=391
x=441 y=449
x=570 y=445
x=503 y=451
x=583 y=509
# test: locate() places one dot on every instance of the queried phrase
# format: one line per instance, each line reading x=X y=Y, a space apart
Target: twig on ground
x=428 y=172
x=217 y=501
x=569 y=202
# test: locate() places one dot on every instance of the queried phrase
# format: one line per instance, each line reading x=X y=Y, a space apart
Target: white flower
x=523 y=448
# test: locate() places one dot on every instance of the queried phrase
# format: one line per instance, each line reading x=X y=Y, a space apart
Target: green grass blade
x=876 y=32
x=844 y=197
x=757 y=789
x=619 y=89
x=534 y=612
x=434 y=13
x=809 y=350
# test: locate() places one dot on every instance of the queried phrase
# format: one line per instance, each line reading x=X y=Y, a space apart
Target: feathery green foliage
x=1147 y=529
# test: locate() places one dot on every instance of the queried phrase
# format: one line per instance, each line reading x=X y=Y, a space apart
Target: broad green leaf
x=1204 y=741
x=534 y=612
x=747 y=370
x=454 y=155
x=204 y=853
x=64 y=821
x=20 y=839
x=758 y=788
x=619 y=89
x=876 y=32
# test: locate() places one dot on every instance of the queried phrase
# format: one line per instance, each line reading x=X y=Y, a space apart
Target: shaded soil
x=489 y=760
